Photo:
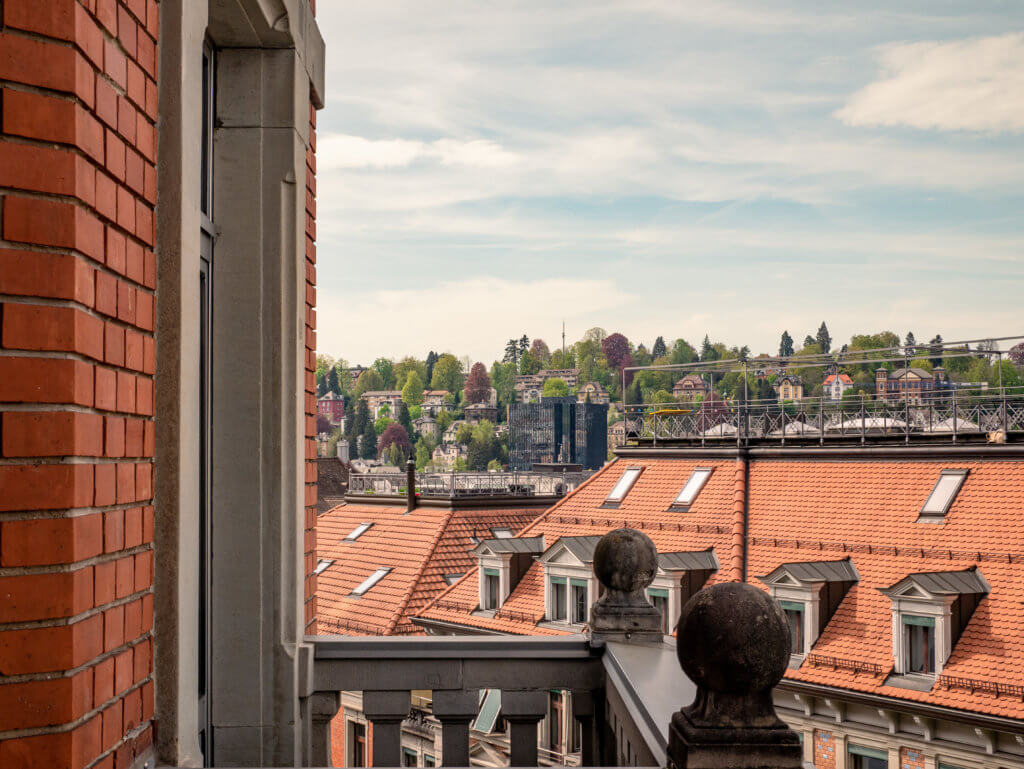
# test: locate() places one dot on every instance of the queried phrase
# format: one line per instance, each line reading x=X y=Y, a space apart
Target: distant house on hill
x=434 y=402
x=789 y=387
x=690 y=387
x=836 y=384
x=595 y=391
x=377 y=399
x=477 y=412
x=530 y=387
x=425 y=426
x=908 y=384
x=332 y=407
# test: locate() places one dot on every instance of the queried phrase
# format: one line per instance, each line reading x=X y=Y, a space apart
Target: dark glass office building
x=558 y=430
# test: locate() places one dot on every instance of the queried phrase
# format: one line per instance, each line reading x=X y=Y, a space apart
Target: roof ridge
x=393 y=622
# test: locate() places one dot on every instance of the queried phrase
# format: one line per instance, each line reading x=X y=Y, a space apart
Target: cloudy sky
x=674 y=167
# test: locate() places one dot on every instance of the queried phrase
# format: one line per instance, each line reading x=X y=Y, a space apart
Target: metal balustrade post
x=455 y=709
x=523 y=710
x=386 y=710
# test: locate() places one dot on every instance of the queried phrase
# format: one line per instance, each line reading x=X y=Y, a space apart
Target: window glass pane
x=357 y=532
x=370 y=581
x=920 y=648
x=408 y=757
x=558 y=599
x=428 y=760
x=579 y=602
x=795 y=618
x=659 y=600
x=322 y=566
x=623 y=486
x=868 y=758
x=942 y=495
x=502 y=533
x=555 y=722
x=492 y=585
x=692 y=487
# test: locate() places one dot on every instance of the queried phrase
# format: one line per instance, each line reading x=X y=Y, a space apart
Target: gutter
x=986 y=451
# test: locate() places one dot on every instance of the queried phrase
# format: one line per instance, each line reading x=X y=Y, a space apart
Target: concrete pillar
x=323 y=707
x=585 y=710
x=455 y=710
x=523 y=710
x=386 y=711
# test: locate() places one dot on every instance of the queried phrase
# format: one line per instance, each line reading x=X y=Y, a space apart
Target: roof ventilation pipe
x=410 y=484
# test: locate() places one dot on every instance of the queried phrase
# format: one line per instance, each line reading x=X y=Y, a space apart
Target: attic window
x=322 y=566
x=943 y=494
x=357 y=532
x=370 y=581
x=502 y=533
x=692 y=488
x=622 y=488
x=451 y=579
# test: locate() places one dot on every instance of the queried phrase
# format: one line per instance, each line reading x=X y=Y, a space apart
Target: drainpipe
x=740 y=499
x=410 y=484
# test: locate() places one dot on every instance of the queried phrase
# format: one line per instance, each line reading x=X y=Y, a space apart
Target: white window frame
x=938 y=514
x=357 y=532
x=499 y=563
x=569 y=574
x=623 y=486
x=368 y=584
x=810 y=596
x=940 y=610
x=699 y=478
x=323 y=565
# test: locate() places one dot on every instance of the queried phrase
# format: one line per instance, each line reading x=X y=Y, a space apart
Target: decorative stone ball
x=625 y=560
x=733 y=638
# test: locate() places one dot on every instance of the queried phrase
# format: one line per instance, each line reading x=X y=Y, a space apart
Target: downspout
x=740 y=498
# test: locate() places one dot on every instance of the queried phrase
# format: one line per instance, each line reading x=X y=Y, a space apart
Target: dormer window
x=621 y=489
x=370 y=581
x=809 y=592
x=689 y=492
x=492 y=589
x=929 y=612
x=357 y=532
x=943 y=494
x=658 y=596
x=503 y=562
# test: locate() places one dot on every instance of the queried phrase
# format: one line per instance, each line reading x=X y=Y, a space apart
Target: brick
x=62 y=19
x=152 y=18
x=29 y=597
x=46 y=327
x=52 y=223
x=149 y=184
x=145 y=396
x=114 y=438
x=147 y=53
x=51 y=434
x=104 y=587
x=144 y=223
x=105 y=485
x=126 y=120
x=136 y=84
x=106 y=197
x=143 y=571
x=135 y=262
x=46 y=702
x=148 y=355
x=114 y=64
x=113 y=531
x=145 y=138
x=113 y=345
x=125 y=483
x=144 y=310
x=150 y=272
x=106 y=294
x=106 y=12
x=73 y=749
x=113 y=726
x=147 y=524
x=48 y=541
x=116 y=251
x=143 y=481
x=103 y=681
x=133 y=620
x=152 y=99
x=124 y=571
x=45 y=169
x=106 y=110
x=48 y=649
x=106 y=389
x=125 y=393
x=37 y=116
x=133 y=701
x=133 y=527
x=45 y=487
x=147 y=613
x=127 y=31
x=133 y=174
x=125 y=209
x=134 y=440
x=48 y=65
x=53 y=276
x=123 y=670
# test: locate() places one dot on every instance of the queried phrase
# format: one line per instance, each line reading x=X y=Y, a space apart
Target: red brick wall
x=824 y=750
x=77 y=356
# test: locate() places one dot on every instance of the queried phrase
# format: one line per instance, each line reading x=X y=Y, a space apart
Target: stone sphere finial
x=625 y=561
x=733 y=638
x=733 y=642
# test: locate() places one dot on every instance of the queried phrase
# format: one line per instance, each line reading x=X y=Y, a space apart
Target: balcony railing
x=474 y=484
x=627 y=681
x=924 y=417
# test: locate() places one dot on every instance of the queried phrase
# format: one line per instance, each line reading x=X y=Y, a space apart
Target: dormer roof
x=502 y=545
x=935 y=584
x=803 y=572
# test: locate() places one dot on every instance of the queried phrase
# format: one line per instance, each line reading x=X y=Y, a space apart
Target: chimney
x=410 y=484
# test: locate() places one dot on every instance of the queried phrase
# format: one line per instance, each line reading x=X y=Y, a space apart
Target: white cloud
x=466 y=315
x=336 y=151
x=972 y=85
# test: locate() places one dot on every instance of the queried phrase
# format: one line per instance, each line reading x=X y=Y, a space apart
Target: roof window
x=322 y=566
x=689 y=493
x=357 y=532
x=370 y=581
x=943 y=494
x=622 y=488
x=503 y=533
x=451 y=579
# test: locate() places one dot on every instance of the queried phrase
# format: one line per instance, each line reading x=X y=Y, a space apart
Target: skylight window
x=322 y=566
x=622 y=488
x=357 y=532
x=370 y=581
x=502 y=533
x=943 y=494
x=451 y=579
x=692 y=488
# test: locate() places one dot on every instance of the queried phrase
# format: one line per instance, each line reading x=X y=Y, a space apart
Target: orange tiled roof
x=813 y=510
x=420 y=548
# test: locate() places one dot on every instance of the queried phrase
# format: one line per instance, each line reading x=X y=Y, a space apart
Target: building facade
x=558 y=430
x=594 y=392
x=158 y=185
x=529 y=388
x=835 y=384
x=690 y=387
x=332 y=407
x=788 y=387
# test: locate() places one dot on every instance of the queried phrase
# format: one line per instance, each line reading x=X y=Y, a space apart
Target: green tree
x=423 y=453
x=511 y=353
x=824 y=338
x=540 y=349
x=662 y=396
x=369 y=381
x=562 y=359
x=464 y=434
x=405 y=366
x=447 y=374
x=430 y=362
x=682 y=352
x=659 y=350
x=555 y=388
x=483 y=446
x=707 y=350
x=412 y=393
x=386 y=369
x=495 y=465
x=444 y=420
x=529 y=363
x=405 y=420
x=503 y=381
x=381 y=424
x=922 y=363
x=357 y=424
x=332 y=381
x=910 y=344
x=935 y=347
x=368 y=441
x=641 y=357
x=809 y=340
x=785 y=345
x=323 y=364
